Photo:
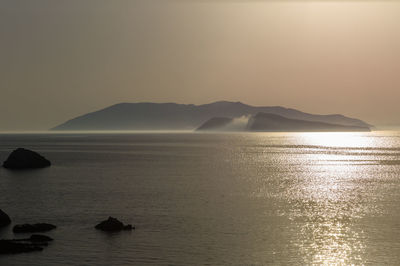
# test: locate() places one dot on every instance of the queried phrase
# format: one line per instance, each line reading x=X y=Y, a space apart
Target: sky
x=60 y=59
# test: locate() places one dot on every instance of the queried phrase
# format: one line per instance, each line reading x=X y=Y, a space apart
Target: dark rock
x=34 y=243
x=25 y=159
x=12 y=247
x=4 y=219
x=33 y=228
x=113 y=225
x=40 y=238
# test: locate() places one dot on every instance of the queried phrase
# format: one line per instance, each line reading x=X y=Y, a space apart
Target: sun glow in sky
x=64 y=59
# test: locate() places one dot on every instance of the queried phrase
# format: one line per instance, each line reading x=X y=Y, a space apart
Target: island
x=173 y=116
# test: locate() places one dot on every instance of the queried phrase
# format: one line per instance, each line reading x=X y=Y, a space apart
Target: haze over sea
x=234 y=198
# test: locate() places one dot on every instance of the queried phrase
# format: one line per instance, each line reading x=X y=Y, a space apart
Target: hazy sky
x=60 y=59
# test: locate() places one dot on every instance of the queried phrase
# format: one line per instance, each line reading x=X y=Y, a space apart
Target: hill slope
x=215 y=123
x=276 y=123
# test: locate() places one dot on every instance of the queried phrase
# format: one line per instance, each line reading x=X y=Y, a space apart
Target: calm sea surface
x=234 y=199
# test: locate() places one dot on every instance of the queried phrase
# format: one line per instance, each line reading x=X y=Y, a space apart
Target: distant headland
x=266 y=122
x=217 y=116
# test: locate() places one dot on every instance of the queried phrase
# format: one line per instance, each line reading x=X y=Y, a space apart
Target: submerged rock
x=25 y=159
x=33 y=228
x=34 y=243
x=40 y=238
x=12 y=247
x=113 y=225
x=4 y=219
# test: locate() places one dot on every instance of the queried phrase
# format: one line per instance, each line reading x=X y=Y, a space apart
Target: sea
x=208 y=198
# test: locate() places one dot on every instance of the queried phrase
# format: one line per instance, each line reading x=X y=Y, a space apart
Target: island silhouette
x=173 y=116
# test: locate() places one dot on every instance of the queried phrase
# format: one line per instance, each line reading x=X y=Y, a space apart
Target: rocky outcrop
x=25 y=159
x=4 y=219
x=33 y=228
x=113 y=225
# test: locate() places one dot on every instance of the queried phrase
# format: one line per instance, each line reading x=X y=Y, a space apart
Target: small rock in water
x=113 y=225
x=4 y=219
x=25 y=159
x=33 y=228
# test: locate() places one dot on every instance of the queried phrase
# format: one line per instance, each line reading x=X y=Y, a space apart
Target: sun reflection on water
x=337 y=139
x=325 y=198
x=328 y=200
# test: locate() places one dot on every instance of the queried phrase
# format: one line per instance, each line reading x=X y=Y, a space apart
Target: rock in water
x=34 y=243
x=25 y=159
x=4 y=219
x=12 y=247
x=32 y=228
x=113 y=225
x=40 y=238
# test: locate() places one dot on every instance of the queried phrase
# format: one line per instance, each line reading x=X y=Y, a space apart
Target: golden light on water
x=330 y=197
x=337 y=139
x=220 y=199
